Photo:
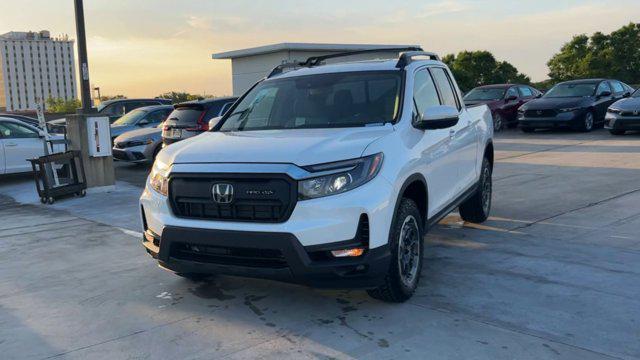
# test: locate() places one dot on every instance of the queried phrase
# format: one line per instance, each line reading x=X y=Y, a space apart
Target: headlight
x=614 y=111
x=158 y=179
x=356 y=173
x=569 y=110
x=138 y=143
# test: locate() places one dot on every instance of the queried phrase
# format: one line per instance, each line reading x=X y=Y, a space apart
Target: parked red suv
x=503 y=100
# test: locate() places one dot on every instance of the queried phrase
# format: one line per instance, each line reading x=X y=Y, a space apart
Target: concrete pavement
x=553 y=274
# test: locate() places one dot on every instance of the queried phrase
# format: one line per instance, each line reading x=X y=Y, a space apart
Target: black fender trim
x=411 y=179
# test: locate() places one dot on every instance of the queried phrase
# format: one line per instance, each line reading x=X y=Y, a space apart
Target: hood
x=141 y=134
x=58 y=122
x=628 y=104
x=557 y=103
x=300 y=146
x=492 y=104
x=121 y=129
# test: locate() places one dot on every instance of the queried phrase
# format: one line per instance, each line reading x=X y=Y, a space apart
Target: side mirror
x=213 y=122
x=143 y=122
x=604 y=94
x=539 y=96
x=41 y=134
x=511 y=98
x=627 y=94
x=437 y=117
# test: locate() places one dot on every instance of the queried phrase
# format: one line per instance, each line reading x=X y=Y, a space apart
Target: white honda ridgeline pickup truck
x=325 y=175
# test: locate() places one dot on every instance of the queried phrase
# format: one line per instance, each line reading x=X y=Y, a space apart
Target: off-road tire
x=394 y=289
x=476 y=209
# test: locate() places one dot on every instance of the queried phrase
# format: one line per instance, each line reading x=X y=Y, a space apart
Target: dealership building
x=33 y=65
x=252 y=64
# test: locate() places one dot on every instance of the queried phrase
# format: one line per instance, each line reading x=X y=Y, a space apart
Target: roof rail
x=317 y=60
x=278 y=69
x=407 y=57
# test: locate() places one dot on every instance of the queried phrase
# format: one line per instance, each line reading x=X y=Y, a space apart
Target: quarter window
x=447 y=93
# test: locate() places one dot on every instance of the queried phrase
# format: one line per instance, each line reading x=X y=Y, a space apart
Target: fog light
x=348 y=252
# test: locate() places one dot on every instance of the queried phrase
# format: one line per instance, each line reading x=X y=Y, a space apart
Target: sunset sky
x=144 y=47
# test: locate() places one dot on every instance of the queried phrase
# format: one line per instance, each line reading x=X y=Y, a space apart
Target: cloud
x=199 y=22
x=444 y=7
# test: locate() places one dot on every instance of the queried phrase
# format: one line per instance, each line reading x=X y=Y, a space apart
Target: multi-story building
x=35 y=66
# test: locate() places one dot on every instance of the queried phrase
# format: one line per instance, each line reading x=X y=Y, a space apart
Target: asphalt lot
x=553 y=274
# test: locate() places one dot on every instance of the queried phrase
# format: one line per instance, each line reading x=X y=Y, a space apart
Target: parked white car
x=19 y=142
x=327 y=175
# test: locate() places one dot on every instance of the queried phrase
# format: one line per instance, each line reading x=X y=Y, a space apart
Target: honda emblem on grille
x=222 y=193
x=636 y=113
x=539 y=112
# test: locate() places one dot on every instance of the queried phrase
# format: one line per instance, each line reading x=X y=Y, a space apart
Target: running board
x=444 y=212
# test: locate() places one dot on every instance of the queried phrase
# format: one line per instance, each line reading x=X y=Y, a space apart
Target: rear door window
x=157 y=116
x=525 y=91
x=617 y=87
x=116 y=109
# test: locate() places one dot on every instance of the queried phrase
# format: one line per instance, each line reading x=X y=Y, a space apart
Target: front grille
x=263 y=258
x=540 y=113
x=630 y=113
x=268 y=198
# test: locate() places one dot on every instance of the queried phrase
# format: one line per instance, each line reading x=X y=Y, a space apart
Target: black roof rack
x=406 y=54
x=316 y=60
x=407 y=57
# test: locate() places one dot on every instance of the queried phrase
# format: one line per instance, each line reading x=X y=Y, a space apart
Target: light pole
x=87 y=131
x=83 y=63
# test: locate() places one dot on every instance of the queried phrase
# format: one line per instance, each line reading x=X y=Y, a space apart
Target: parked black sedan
x=624 y=115
x=577 y=104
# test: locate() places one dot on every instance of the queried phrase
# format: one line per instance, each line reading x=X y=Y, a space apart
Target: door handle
x=10 y=144
x=452 y=133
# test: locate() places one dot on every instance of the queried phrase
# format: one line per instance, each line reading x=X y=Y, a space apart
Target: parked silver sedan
x=141 y=145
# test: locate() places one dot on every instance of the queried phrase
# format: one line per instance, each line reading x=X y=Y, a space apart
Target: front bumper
x=617 y=122
x=562 y=120
x=131 y=154
x=268 y=255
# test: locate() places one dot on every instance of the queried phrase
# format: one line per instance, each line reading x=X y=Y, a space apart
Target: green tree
x=616 y=55
x=62 y=106
x=178 y=97
x=477 y=68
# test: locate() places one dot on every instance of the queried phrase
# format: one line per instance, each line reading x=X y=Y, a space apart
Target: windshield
x=318 y=101
x=571 y=90
x=485 y=94
x=130 y=118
